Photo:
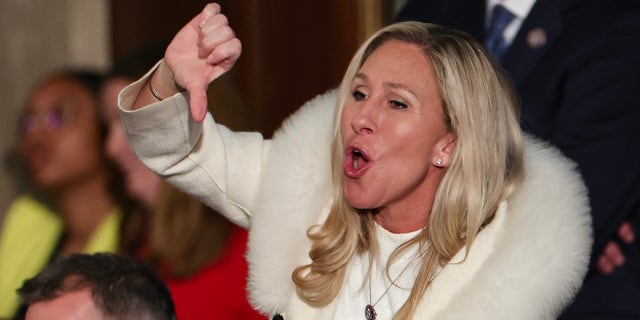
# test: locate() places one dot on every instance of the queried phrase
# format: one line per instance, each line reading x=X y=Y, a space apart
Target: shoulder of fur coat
x=540 y=255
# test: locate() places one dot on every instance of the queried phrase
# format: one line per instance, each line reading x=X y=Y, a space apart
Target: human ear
x=444 y=148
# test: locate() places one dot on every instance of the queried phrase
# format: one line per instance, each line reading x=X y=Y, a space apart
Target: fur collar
x=537 y=259
x=296 y=189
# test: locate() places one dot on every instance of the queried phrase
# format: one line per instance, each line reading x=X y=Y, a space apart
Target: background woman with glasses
x=76 y=204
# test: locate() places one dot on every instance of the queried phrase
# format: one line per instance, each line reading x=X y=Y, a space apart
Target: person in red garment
x=196 y=251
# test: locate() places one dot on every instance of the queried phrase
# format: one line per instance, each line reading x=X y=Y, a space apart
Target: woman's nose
x=365 y=120
x=35 y=134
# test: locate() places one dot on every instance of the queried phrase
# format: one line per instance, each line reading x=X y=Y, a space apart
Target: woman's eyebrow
x=395 y=85
x=361 y=76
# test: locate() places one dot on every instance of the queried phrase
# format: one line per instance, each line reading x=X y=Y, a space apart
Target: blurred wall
x=292 y=49
x=37 y=36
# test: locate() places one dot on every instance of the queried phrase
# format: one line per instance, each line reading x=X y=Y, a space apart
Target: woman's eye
x=358 y=95
x=397 y=104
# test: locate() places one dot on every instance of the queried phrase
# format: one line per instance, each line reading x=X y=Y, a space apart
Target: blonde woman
x=422 y=200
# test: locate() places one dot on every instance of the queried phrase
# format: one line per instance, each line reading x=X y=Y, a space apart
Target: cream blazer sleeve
x=206 y=160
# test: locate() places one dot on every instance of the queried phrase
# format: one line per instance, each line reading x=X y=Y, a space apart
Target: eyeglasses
x=51 y=120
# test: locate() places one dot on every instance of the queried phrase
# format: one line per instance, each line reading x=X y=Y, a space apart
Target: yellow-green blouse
x=29 y=236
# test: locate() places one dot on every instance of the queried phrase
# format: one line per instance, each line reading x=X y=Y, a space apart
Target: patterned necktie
x=495 y=43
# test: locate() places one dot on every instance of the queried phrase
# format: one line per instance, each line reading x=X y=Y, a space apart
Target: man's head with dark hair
x=120 y=288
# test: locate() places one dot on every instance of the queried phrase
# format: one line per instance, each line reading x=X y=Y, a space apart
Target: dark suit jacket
x=576 y=65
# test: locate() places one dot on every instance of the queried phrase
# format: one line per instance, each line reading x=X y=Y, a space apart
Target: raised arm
x=172 y=133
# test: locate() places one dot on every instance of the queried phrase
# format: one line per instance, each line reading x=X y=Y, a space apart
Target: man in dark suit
x=576 y=65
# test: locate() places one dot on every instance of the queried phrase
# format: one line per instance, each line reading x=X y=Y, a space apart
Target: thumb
x=198 y=101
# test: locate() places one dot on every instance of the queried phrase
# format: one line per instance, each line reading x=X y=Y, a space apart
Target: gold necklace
x=370 y=310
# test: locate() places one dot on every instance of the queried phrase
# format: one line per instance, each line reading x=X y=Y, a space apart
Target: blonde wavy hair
x=481 y=110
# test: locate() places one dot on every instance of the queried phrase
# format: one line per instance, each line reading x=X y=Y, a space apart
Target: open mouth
x=357 y=156
x=356 y=162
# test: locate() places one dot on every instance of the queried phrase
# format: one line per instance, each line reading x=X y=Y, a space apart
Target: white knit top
x=355 y=293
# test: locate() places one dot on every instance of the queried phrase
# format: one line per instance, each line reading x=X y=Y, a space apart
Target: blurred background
x=292 y=51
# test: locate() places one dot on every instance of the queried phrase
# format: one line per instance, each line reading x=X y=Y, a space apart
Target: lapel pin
x=536 y=38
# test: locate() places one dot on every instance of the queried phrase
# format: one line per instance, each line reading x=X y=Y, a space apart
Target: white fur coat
x=527 y=264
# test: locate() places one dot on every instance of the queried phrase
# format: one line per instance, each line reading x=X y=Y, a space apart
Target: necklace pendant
x=370 y=312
